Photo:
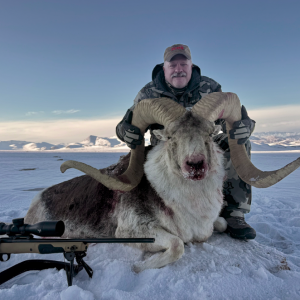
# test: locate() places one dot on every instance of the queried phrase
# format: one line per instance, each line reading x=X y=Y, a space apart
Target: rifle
x=20 y=240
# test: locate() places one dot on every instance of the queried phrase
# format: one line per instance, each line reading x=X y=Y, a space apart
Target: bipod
x=81 y=264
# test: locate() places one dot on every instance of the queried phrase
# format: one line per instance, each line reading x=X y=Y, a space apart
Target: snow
x=222 y=268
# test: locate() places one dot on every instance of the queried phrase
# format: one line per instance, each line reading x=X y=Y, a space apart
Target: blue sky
x=72 y=68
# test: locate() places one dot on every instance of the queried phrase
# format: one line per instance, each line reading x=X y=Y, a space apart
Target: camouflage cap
x=170 y=52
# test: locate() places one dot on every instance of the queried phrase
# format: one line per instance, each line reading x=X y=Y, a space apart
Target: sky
x=69 y=69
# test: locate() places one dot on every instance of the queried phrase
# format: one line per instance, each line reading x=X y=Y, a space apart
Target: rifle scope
x=46 y=228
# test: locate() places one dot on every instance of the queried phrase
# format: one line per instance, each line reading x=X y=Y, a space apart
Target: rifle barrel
x=100 y=240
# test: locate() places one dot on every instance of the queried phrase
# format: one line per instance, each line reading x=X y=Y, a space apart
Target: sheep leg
x=168 y=248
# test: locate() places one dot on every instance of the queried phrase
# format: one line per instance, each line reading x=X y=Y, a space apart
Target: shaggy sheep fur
x=177 y=201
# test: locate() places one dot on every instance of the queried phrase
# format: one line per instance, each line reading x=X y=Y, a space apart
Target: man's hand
x=241 y=130
x=132 y=134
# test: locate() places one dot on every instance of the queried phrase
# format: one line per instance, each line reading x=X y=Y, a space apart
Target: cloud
x=70 y=111
x=278 y=118
x=281 y=118
x=57 y=131
x=31 y=113
x=57 y=112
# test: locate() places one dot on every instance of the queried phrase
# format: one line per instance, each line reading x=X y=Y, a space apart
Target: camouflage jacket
x=198 y=87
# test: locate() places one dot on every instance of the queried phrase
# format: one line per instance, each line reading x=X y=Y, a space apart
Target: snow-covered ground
x=222 y=268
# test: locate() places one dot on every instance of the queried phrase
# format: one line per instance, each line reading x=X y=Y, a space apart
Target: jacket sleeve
x=119 y=129
x=215 y=86
x=140 y=96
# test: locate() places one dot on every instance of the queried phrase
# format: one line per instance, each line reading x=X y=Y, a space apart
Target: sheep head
x=189 y=145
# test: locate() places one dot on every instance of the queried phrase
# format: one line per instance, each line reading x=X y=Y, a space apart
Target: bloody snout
x=195 y=167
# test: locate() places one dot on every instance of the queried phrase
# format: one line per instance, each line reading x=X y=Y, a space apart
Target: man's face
x=178 y=71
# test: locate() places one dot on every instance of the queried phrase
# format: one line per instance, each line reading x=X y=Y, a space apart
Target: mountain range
x=91 y=143
x=262 y=141
x=275 y=141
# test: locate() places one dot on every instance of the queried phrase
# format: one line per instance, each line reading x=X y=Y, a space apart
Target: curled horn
x=149 y=111
x=227 y=106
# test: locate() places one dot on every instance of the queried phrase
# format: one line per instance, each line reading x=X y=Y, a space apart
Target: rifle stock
x=47 y=246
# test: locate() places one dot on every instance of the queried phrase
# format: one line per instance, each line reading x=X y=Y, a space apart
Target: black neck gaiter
x=175 y=91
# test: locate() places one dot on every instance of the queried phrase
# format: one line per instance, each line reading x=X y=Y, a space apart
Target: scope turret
x=46 y=228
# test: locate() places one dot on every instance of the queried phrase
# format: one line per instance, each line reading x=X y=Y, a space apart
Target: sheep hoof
x=136 y=268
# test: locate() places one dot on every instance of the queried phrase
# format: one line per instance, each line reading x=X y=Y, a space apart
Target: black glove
x=132 y=134
x=241 y=130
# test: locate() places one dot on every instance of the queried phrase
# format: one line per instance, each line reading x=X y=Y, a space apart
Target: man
x=179 y=79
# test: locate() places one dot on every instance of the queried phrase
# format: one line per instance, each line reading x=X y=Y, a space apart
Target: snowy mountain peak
x=273 y=141
x=91 y=143
x=91 y=139
x=261 y=141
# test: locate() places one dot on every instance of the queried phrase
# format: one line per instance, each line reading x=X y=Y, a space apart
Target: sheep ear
x=160 y=134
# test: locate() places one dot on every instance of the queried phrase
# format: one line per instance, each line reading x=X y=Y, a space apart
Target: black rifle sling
x=36 y=265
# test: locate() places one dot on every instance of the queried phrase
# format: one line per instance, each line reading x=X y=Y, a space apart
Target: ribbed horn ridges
x=147 y=112
x=227 y=106
x=219 y=106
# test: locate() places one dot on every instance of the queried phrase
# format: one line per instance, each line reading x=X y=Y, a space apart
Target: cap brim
x=176 y=52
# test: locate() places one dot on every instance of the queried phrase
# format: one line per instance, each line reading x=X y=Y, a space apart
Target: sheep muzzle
x=195 y=167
